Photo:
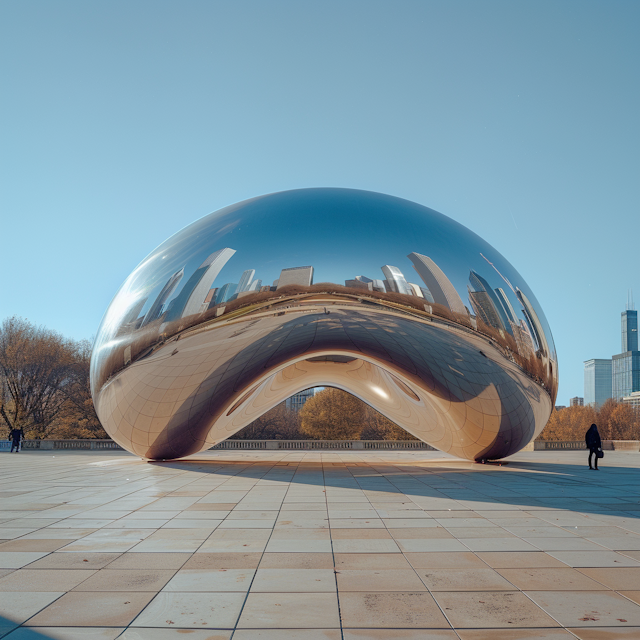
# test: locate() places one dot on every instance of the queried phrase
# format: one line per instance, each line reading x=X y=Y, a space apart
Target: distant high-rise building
x=358 y=284
x=245 y=280
x=296 y=402
x=192 y=295
x=157 y=309
x=625 y=374
x=395 y=280
x=302 y=276
x=630 y=328
x=256 y=285
x=210 y=300
x=225 y=292
x=597 y=382
x=576 y=402
x=442 y=290
x=417 y=290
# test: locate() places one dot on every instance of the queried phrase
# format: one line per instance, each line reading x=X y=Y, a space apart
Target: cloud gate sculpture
x=381 y=297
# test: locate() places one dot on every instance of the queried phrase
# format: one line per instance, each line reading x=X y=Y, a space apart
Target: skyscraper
x=302 y=276
x=192 y=295
x=245 y=280
x=629 y=328
x=156 y=309
x=395 y=280
x=597 y=382
x=625 y=374
x=576 y=402
x=225 y=292
x=442 y=291
x=494 y=303
x=534 y=324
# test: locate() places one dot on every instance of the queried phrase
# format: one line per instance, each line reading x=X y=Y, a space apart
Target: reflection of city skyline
x=491 y=306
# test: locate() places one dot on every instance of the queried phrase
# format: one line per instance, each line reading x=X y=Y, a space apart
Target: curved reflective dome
x=382 y=297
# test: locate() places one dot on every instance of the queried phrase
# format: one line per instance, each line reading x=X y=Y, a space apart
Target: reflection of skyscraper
x=157 y=307
x=533 y=322
x=192 y=295
x=210 y=300
x=442 y=291
x=133 y=313
x=597 y=382
x=225 y=292
x=394 y=280
x=358 y=284
x=506 y=305
x=302 y=276
x=255 y=285
x=485 y=309
x=245 y=280
x=296 y=402
x=491 y=303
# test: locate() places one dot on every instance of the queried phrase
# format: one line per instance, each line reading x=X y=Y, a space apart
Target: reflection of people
x=594 y=444
x=16 y=436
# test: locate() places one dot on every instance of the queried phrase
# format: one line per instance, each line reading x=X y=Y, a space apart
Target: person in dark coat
x=594 y=444
x=16 y=436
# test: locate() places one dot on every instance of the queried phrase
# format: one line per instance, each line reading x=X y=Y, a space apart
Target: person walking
x=16 y=436
x=594 y=444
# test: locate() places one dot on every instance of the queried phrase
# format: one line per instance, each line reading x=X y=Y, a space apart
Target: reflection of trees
x=278 y=423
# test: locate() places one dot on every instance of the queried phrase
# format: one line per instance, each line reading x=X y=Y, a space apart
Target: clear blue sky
x=124 y=121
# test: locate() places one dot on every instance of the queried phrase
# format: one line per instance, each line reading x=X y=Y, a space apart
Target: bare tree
x=36 y=376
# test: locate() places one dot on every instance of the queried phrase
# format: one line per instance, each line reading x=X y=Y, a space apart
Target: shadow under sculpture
x=410 y=311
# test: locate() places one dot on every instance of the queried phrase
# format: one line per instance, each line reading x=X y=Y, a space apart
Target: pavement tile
x=127 y=580
x=395 y=610
x=464 y=580
x=28 y=580
x=290 y=611
x=399 y=634
x=192 y=610
x=546 y=579
x=294 y=581
x=370 y=561
x=296 y=561
x=492 y=609
x=607 y=633
x=445 y=560
x=602 y=558
x=378 y=580
x=514 y=634
x=65 y=633
x=155 y=633
x=205 y=580
x=588 y=608
x=74 y=561
x=287 y=634
x=514 y=560
x=92 y=609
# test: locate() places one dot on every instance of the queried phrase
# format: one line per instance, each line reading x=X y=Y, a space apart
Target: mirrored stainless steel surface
x=382 y=297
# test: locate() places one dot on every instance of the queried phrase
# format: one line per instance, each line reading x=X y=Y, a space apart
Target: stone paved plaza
x=287 y=545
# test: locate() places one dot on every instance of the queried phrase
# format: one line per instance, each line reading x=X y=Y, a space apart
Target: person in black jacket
x=16 y=436
x=594 y=444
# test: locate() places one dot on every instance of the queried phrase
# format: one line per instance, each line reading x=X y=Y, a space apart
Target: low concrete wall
x=235 y=445
x=573 y=445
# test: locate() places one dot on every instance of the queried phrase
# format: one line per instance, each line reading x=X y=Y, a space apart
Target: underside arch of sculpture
x=381 y=297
